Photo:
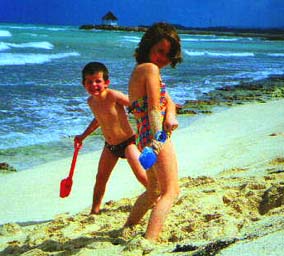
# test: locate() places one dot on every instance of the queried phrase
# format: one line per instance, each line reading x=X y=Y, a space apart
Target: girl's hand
x=170 y=123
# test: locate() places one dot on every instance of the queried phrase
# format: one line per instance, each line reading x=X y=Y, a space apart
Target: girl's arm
x=152 y=79
x=170 y=122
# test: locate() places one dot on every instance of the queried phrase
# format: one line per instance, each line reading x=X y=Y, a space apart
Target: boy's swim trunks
x=119 y=149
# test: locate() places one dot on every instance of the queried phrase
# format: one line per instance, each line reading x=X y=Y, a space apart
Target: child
x=108 y=108
x=159 y=47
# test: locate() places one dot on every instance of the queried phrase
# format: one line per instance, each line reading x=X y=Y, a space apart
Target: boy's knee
x=100 y=178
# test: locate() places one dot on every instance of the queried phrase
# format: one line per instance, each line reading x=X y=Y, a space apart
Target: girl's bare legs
x=132 y=154
x=145 y=201
x=167 y=175
x=106 y=165
x=162 y=177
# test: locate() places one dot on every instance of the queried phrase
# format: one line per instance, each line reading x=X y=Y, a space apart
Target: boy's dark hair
x=95 y=67
x=155 y=34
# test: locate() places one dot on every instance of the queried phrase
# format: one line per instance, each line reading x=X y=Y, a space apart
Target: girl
x=154 y=111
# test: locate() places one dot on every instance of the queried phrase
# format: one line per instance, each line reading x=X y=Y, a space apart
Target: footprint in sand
x=277 y=134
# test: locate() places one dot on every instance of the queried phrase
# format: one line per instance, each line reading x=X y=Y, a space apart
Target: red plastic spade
x=66 y=184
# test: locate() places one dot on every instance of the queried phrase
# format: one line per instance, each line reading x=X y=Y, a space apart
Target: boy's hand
x=170 y=123
x=78 y=141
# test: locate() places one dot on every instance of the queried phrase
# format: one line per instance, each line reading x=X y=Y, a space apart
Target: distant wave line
x=22 y=59
x=257 y=75
x=38 y=28
x=210 y=39
x=40 y=45
x=219 y=54
x=5 y=33
x=276 y=54
x=132 y=39
x=4 y=46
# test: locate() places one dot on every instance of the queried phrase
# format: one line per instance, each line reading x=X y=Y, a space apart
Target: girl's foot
x=139 y=243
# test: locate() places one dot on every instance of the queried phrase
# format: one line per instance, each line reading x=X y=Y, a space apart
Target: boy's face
x=95 y=83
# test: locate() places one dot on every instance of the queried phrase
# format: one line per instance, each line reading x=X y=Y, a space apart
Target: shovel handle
x=76 y=151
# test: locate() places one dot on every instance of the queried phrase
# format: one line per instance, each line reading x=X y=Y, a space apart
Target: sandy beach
x=231 y=168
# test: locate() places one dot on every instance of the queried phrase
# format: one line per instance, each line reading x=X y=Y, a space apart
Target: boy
x=107 y=106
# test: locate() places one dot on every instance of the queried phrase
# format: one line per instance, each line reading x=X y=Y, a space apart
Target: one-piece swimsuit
x=139 y=108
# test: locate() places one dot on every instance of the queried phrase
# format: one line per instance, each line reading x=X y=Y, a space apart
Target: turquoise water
x=43 y=104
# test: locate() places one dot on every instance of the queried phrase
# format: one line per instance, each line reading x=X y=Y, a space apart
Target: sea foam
x=210 y=39
x=132 y=39
x=40 y=45
x=40 y=28
x=276 y=54
x=5 y=33
x=219 y=54
x=4 y=46
x=257 y=75
x=22 y=59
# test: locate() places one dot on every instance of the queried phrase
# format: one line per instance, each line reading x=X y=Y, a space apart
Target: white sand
x=235 y=137
x=33 y=195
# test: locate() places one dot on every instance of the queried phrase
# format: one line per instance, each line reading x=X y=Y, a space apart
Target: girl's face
x=95 y=84
x=159 y=53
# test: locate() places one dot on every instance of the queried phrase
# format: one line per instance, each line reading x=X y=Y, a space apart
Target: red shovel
x=66 y=184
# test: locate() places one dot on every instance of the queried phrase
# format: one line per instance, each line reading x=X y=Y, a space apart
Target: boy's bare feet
x=95 y=211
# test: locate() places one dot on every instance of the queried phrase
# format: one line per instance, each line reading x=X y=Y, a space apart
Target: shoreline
x=261 y=91
x=230 y=173
x=218 y=99
x=195 y=135
x=265 y=34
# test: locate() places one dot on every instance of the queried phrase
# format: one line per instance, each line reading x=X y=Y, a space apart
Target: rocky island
x=266 y=34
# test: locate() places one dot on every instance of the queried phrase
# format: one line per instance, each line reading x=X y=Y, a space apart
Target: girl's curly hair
x=155 y=34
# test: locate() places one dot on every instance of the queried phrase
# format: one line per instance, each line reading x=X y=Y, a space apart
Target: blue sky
x=195 y=13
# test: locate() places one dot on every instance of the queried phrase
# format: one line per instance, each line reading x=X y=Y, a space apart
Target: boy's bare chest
x=106 y=110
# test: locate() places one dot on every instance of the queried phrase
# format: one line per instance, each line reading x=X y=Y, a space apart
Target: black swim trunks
x=119 y=149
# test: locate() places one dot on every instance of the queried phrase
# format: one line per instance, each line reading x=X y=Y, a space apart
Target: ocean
x=43 y=104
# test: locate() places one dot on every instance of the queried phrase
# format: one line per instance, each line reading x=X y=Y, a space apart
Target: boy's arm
x=170 y=122
x=121 y=98
x=91 y=127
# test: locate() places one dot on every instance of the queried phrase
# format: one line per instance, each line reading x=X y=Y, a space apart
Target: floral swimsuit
x=142 y=121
